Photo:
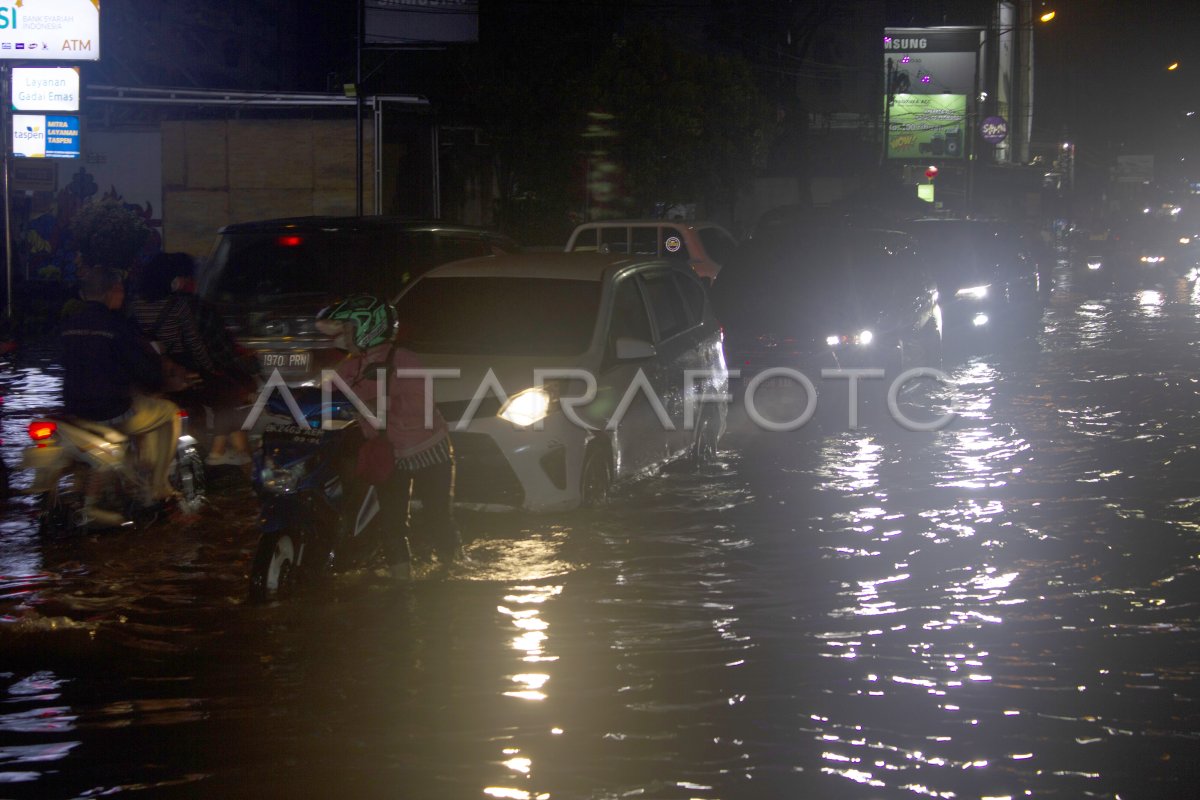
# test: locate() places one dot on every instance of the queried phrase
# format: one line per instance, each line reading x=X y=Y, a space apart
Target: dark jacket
x=105 y=359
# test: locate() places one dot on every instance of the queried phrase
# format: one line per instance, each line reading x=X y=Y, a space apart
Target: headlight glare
x=833 y=341
x=973 y=292
x=864 y=337
x=528 y=407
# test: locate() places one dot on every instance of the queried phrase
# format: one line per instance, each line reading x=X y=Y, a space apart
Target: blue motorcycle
x=316 y=518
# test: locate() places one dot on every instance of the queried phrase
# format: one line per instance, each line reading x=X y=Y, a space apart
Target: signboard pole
x=358 y=112
x=8 y=254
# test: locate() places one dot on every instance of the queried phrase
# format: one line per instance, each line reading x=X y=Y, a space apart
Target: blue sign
x=62 y=137
x=994 y=130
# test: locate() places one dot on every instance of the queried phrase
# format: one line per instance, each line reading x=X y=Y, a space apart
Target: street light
x=1174 y=65
x=1049 y=15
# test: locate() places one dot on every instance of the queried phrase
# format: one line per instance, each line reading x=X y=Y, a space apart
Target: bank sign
x=50 y=30
x=927 y=126
x=45 y=136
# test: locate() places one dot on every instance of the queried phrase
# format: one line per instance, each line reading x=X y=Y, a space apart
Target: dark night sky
x=1101 y=77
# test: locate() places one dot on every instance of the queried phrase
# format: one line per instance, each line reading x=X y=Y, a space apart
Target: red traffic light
x=931 y=173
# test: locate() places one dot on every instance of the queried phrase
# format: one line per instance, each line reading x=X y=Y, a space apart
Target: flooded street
x=1003 y=609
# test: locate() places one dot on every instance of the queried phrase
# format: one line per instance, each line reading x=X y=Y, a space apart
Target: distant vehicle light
x=980 y=320
x=974 y=292
x=1152 y=259
x=864 y=337
x=1185 y=240
x=832 y=341
x=1095 y=264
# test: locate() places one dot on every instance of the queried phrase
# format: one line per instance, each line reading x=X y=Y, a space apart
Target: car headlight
x=1152 y=259
x=530 y=406
x=1094 y=264
x=1185 y=240
x=863 y=337
x=973 y=292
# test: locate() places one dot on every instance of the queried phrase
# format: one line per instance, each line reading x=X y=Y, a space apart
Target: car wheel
x=595 y=479
x=708 y=437
x=272 y=575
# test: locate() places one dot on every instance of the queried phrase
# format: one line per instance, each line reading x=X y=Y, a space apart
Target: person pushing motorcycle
x=366 y=327
x=109 y=371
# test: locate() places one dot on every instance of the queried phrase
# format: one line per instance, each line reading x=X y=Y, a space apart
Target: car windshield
x=271 y=264
x=779 y=277
x=499 y=315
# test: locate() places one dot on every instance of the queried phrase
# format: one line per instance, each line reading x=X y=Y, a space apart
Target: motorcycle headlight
x=973 y=292
x=282 y=480
x=529 y=406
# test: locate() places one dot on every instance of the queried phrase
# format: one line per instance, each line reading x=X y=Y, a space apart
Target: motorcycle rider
x=108 y=371
x=365 y=327
x=191 y=333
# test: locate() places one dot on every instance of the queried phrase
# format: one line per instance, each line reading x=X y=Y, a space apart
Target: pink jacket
x=405 y=399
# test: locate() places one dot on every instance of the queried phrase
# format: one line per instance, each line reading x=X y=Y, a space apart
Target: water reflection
x=1004 y=608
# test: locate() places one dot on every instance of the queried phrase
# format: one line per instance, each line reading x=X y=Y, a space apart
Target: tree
x=690 y=126
x=109 y=234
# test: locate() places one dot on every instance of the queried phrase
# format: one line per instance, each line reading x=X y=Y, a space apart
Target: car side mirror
x=633 y=349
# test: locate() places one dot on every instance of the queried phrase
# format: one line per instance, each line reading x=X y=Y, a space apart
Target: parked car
x=270 y=278
x=609 y=317
x=705 y=246
x=989 y=274
x=827 y=297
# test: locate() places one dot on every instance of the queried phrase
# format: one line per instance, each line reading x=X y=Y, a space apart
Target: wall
x=222 y=171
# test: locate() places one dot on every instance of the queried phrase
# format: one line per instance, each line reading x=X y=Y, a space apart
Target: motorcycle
x=316 y=518
x=88 y=476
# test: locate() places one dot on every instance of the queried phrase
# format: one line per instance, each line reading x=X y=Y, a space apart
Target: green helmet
x=375 y=320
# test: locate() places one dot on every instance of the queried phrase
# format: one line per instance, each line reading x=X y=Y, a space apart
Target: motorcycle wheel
x=53 y=513
x=273 y=573
x=187 y=478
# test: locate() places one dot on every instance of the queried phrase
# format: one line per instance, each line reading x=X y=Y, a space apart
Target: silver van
x=704 y=246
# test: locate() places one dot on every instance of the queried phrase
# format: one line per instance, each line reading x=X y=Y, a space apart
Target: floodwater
x=1003 y=609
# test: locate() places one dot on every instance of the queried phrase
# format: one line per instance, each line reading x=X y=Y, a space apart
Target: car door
x=638 y=440
x=674 y=342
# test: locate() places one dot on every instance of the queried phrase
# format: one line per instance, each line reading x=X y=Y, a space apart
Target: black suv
x=825 y=295
x=270 y=278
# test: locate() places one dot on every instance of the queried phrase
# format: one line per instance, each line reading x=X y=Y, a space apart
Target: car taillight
x=41 y=430
x=289 y=241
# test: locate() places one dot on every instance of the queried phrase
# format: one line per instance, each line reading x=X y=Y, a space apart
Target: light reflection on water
x=1005 y=608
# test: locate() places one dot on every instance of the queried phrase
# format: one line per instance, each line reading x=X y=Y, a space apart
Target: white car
x=704 y=246
x=566 y=374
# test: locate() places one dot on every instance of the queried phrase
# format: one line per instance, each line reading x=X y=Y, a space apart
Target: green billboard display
x=927 y=126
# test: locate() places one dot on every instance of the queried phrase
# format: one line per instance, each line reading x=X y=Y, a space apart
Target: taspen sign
x=50 y=30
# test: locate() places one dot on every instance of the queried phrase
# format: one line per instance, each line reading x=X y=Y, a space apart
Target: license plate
x=289 y=360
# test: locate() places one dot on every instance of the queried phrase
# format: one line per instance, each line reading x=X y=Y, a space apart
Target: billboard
x=927 y=126
x=45 y=136
x=50 y=30
x=45 y=88
x=933 y=60
x=408 y=22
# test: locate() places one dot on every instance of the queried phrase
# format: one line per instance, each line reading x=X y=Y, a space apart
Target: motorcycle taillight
x=40 y=430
